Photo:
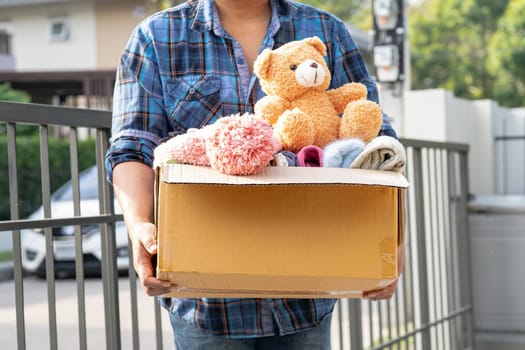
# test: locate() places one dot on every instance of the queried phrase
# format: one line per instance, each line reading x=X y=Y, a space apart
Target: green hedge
x=7 y=93
x=28 y=168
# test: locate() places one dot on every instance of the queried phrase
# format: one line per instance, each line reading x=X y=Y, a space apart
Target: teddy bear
x=233 y=145
x=298 y=105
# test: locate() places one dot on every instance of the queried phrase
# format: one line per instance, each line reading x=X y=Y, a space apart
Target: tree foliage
x=12 y=95
x=28 y=165
x=9 y=94
x=353 y=11
x=506 y=60
x=454 y=45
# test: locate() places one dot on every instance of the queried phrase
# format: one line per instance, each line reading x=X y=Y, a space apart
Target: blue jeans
x=191 y=338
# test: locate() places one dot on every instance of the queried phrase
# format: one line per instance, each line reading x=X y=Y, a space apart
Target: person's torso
x=202 y=71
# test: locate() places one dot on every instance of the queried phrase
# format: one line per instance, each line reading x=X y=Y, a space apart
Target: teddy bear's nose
x=313 y=65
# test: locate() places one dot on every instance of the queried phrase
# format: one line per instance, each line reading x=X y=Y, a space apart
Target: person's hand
x=388 y=291
x=144 y=247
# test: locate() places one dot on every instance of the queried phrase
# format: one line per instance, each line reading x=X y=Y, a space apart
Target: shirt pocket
x=192 y=101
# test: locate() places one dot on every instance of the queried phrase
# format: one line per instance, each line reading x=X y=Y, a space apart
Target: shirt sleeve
x=349 y=66
x=139 y=118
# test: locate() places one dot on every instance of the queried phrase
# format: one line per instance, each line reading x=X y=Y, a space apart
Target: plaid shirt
x=182 y=70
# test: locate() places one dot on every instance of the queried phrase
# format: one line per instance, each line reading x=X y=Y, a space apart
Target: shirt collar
x=206 y=17
x=203 y=20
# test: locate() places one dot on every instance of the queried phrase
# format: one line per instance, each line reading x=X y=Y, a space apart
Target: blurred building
x=66 y=51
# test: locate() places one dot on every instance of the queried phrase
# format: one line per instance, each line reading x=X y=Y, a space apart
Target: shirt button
x=240 y=61
x=192 y=91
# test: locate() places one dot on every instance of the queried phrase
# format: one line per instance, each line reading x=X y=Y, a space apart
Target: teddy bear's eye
x=293 y=67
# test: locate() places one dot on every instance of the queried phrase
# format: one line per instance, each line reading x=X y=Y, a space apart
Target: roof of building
x=11 y=3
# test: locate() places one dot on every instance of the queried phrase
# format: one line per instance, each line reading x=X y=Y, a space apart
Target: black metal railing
x=432 y=308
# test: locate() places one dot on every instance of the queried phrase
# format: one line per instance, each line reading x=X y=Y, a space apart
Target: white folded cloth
x=382 y=153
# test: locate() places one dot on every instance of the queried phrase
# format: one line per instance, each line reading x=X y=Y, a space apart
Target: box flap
x=179 y=173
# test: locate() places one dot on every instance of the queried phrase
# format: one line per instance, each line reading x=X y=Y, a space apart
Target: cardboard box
x=288 y=232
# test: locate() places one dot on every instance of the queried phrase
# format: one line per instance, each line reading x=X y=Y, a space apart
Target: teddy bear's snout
x=310 y=73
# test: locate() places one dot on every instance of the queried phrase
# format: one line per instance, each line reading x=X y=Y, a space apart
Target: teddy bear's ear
x=261 y=66
x=317 y=44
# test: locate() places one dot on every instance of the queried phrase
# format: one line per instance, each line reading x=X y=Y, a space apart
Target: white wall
x=436 y=115
x=391 y=105
x=510 y=145
x=483 y=167
x=32 y=48
x=496 y=163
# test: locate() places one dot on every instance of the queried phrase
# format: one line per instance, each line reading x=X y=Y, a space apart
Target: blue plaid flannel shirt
x=182 y=70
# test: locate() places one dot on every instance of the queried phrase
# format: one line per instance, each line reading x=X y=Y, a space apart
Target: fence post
x=464 y=249
x=421 y=249
x=17 y=246
x=356 y=331
x=108 y=245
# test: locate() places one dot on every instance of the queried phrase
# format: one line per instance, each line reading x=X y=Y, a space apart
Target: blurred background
x=450 y=71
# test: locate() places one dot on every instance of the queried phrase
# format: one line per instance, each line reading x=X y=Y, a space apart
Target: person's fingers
x=145 y=233
x=388 y=291
x=155 y=287
x=144 y=247
x=379 y=294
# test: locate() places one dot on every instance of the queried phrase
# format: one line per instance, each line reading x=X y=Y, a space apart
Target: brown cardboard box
x=288 y=232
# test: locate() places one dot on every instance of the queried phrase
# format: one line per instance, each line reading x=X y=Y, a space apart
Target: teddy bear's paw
x=295 y=129
x=347 y=93
x=362 y=119
x=270 y=108
x=354 y=91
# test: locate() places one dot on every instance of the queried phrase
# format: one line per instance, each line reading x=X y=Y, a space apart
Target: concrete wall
x=32 y=47
x=114 y=23
x=99 y=31
x=510 y=151
x=495 y=134
x=7 y=63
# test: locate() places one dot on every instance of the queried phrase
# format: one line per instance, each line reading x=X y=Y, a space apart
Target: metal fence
x=432 y=307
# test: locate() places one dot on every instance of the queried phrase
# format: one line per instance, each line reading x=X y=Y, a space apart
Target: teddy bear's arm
x=345 y=94
x=270 y=108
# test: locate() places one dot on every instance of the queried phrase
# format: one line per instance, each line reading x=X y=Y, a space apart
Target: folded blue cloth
x=341 y=153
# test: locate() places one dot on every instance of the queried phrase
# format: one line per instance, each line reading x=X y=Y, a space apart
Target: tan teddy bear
x=298 y=106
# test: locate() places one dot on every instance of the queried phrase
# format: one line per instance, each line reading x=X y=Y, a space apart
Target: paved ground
x=6 y=241
x=37 y=320
x=6 y=268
